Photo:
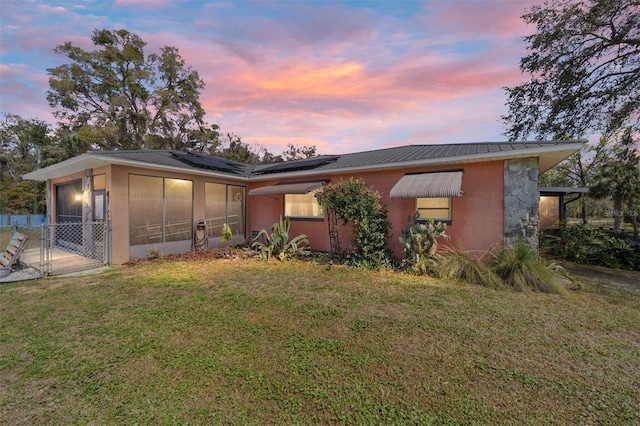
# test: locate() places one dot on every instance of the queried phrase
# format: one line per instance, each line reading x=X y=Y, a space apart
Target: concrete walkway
x=63 y=262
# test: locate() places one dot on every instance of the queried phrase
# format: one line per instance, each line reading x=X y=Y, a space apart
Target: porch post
x=87 y=213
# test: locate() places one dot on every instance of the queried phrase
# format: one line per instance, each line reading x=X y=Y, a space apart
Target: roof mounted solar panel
x=292 y=166
x=209 y=162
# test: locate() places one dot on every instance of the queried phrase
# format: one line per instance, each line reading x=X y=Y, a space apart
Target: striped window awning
x=288 y=188
x=428 y=185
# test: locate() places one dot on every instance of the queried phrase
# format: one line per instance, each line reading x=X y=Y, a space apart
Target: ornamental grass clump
x=457 y=264
x=522 y=269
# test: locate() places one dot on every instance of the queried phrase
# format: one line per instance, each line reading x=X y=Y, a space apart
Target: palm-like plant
x=278 y=243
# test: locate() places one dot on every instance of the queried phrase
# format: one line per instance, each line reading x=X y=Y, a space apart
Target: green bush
x=353 y=201
x=278 y=243
x=522 y=269
x=588 y=245
x=227 y=233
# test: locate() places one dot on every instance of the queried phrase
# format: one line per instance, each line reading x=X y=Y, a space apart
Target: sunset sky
x=344 y=76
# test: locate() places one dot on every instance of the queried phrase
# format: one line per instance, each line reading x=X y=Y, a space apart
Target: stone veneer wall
x=521 y=202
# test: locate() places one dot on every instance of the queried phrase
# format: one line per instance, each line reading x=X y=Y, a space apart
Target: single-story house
x=487 y=193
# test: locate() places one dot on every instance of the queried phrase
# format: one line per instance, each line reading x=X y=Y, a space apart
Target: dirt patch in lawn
x=607 y=279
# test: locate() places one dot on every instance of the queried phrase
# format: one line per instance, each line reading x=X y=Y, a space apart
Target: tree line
x=116 y=97
x=583 y=70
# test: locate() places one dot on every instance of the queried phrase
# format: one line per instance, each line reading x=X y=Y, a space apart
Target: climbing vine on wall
x=353 y=201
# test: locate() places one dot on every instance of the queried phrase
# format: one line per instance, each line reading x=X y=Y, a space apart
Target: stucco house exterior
x=487 y=193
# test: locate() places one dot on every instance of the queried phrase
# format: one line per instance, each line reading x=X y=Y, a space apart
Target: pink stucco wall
x=477 y=216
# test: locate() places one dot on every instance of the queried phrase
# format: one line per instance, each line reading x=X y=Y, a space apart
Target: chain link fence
x=76 y=246
x=58 y=248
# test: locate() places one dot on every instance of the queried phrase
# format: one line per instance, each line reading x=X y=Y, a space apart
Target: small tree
x=618 y=177
x=353 y=201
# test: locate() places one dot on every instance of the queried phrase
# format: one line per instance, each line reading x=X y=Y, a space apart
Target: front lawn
x=251 y=342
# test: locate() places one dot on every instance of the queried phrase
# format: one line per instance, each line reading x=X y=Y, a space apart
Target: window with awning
x=299 y=198
x=428 y=185
x=433 y=192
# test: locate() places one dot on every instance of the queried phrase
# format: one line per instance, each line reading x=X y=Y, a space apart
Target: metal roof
x=413 y=153
x=549 y=152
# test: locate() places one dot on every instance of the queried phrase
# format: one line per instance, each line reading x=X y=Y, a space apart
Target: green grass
x=223 y=342
x=6 y=232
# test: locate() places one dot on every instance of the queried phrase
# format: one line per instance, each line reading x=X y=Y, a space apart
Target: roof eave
x=549 y=155
x=67 y=167
x=93 y=160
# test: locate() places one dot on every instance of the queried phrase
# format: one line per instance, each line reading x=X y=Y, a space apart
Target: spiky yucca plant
x=278 y=243
x=523 y=269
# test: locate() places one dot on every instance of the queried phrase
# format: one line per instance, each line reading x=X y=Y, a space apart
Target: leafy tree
x=116 y=97
x=232 y=148
x=294 y=152
x=21 y=144
x=65 y=144
x=618 y=177
x=584 y=67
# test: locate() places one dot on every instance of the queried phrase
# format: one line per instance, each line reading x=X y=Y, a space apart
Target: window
x=303 y=206
x=549 y=212
x=160 y=209
x=235 y=209
x=438 y=209
x=178 y=214
x=99 y=194
x=224 y=204
x=69 y=202
x=69 y=213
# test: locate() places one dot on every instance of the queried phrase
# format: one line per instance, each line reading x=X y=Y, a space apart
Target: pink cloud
x=143 y=3
x=464 y=19
x=337 y=77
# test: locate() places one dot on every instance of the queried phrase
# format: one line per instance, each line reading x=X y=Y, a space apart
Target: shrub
x=588 y=245
x=426 y=266
x=522 y=269
x=458 y=264
x=227 y=233
x=154 y=253
x=278 y=243
x=353 y=201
